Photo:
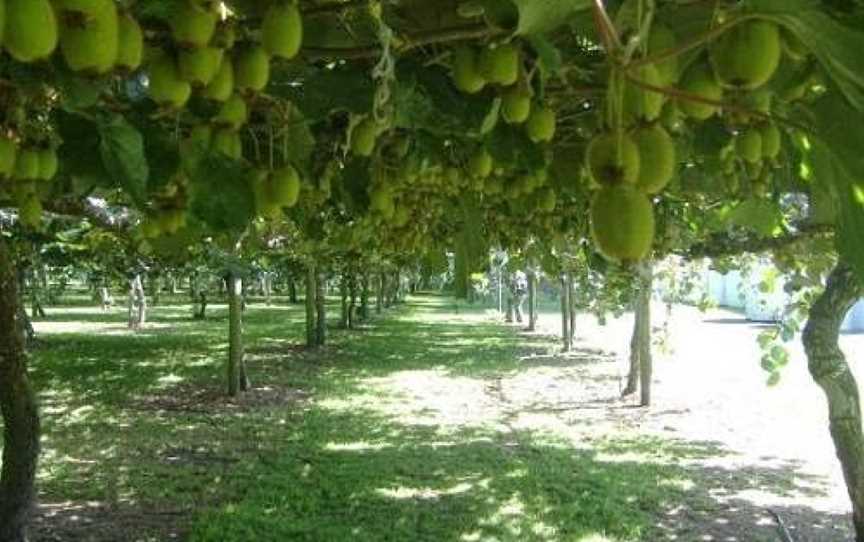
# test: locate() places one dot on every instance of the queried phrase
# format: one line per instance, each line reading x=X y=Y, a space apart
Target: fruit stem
x=605 y=27
x=666 y=54
x=686 y=96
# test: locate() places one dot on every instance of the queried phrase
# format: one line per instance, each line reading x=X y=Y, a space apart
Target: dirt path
x=710 y=389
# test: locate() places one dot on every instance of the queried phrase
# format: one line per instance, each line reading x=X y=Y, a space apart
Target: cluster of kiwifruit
x=94 y=39
x=94 y=36
x=207 y=57
x=168 y=215
x=275 y=190
x=22 y=168
x=501 y=65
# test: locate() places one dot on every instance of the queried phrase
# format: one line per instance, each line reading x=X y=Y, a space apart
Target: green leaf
x=80 y=136
x=425 y=99
x=122 y=149
x=548 y=55
x=839 y=163
x=299 y=140
x=221 y=193
x=837 y=46
x=324 y=91
x=539 y=16
x=773 y=379
x=762 y=216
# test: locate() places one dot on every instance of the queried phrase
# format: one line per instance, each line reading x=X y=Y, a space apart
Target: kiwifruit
x=700 y=82
x=221 y=86
x=233 y=114
x=30 y=32
x=515 y=106
x=193 y=23
x=622 y=223
x=541 y=124
x=285 y=186
x=642 y=103
x=748 y=145
x=130 y=43
x=747 y=55
x=88 y=34
x=771 y=140
x=227 y=142
x=251 y=69
x=48 y=163
x=466 y=75
x=27 y=164
x=363 y=137
x=657 y=158
x=166 y=87
x=480 y=164
x=282 y=30
x=499 y=64
x=613 y=158
x=661 y=39
x=199 y=65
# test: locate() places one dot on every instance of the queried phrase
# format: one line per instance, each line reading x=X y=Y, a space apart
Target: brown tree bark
x=321 y=309
x=532 y=300
x=311 y=334
x=571 y=297
x=19 y=411
x=566 y=340
x=236 y=367
x=828 y=367
x=344 y=318
x=641 y=361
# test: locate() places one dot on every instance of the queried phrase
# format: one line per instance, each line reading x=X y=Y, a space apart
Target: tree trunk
x=571 y=297
x=154 y=289
x=292 y=291
x=267 y=287
x=379 y=297
x=635 y=351
x=828 y=367
x=352 y=300
x=364 y=297
x=646 y=361
x=566 y=340
x=137 y=303
x=641 y=361
x=235 y=336
x=532 y=300
x=320 y=310
x=311 y=331
x=19 y=412
x=343 y=296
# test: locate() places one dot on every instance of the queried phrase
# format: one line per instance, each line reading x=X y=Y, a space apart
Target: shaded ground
x=437 y=423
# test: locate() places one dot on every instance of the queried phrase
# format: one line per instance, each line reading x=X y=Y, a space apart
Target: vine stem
x=605 y=26
x=689 y=45
x=675 y=92
x=410 y=42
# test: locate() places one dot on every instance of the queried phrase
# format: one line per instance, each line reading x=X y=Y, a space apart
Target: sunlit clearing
x=423 y=492
x=360 y=446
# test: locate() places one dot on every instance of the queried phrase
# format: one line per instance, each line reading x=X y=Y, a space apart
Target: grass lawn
x=400 y=430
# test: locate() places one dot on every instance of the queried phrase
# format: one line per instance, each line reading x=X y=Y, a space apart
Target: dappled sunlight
x=437 y=423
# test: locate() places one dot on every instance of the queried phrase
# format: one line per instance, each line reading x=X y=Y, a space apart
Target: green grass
x=354 y=442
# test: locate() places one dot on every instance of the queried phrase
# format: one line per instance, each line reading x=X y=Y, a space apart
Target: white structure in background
x=735 y=291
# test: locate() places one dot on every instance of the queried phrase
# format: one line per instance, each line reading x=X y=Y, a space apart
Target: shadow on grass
x=135 y=426
x=356 y=476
